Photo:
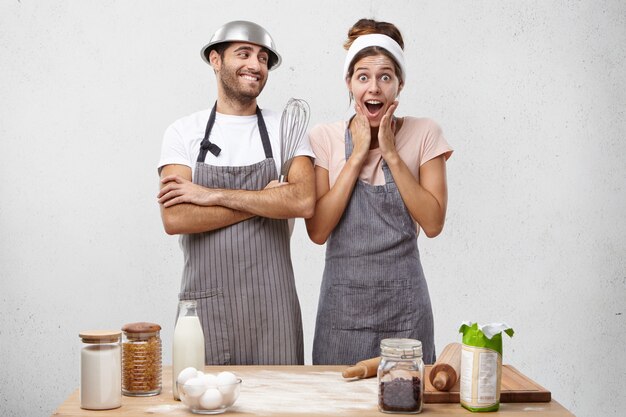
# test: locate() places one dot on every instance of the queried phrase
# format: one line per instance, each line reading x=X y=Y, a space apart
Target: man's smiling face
x=242 y=71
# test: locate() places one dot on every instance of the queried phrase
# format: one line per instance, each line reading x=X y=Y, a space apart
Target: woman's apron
x=373 y=286
x=241 y=275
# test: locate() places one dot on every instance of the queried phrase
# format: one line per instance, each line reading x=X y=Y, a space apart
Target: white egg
x=225 y=377
x=186 y=374
x=211 y=399
x=199 y=374
x=194 y=387
x=226 y=382
x=229 y=399
x=191 y=402
x=210 y=380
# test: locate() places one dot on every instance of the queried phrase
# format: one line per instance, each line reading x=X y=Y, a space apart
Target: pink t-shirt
x=418 y=141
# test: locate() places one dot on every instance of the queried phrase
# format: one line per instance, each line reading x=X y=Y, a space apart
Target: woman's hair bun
x=370 y=26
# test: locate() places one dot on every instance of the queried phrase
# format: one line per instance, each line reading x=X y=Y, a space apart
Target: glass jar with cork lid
x=100 y=370
x=141 y=359
x=400 y=376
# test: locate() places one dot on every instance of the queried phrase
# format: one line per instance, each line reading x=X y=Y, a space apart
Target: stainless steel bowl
x=242 y=31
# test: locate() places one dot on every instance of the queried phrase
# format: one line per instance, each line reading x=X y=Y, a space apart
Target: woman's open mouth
x=373 y=107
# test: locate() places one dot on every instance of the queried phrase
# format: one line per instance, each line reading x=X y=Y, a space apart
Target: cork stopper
x=141 y=327
x=100 y=336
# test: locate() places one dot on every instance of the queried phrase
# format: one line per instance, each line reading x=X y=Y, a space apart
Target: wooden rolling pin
x=447 y=369
x=363 y=369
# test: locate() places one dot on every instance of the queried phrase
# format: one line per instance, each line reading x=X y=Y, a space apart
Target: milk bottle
x=188 y=349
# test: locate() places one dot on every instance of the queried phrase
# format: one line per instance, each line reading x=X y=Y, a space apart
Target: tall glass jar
x=100 y=370
x=141 y=359
x=400 y=376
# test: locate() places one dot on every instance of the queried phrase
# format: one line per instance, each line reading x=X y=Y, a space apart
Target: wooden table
x=300 y=391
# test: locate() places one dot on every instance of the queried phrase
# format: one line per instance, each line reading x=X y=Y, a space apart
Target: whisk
x=293 y=124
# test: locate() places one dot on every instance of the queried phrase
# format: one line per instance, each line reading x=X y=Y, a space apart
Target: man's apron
x=373 y=285
x=241 y=275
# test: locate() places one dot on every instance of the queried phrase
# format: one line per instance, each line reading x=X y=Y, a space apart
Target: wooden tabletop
x=302 y=391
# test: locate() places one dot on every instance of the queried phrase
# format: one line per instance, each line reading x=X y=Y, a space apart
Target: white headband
x=375 y=39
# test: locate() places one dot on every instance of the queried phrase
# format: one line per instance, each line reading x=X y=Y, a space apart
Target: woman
x=379 y=179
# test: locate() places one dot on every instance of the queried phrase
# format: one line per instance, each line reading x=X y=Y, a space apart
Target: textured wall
x=530 y=94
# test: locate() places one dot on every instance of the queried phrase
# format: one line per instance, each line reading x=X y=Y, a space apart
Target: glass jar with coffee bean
x=400 y=376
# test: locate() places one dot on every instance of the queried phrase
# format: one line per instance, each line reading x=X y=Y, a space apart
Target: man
x=219 y=191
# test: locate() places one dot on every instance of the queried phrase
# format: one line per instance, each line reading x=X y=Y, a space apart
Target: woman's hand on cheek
x=361 y=136
x=386 y=131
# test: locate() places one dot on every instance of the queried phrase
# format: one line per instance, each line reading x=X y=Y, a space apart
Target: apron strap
x=207 y=146
x=265 y=137
x=350 y=147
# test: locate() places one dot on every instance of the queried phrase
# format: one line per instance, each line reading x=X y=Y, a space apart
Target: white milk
x=100 y=377
x=188 y=349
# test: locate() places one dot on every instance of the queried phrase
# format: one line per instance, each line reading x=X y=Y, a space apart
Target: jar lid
x=401 y=348
x=141 y=327
x=100 y=336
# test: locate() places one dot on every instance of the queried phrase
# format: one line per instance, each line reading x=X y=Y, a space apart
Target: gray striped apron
x=373 y=285
x=241 y=275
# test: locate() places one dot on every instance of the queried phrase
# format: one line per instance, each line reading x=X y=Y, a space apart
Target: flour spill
x=272 y=392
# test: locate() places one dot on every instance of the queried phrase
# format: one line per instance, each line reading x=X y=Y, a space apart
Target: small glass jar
x=141 y=359
x=401 y=376
x=100 y=370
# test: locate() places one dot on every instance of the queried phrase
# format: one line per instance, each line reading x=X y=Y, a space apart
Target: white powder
x=100 y=377
x=272 y=392
x=165 y=409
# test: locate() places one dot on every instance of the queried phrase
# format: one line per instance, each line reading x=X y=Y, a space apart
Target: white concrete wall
x=530 y=94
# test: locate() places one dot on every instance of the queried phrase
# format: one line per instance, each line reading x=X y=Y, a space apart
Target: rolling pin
x=364 y=369
x=447 y=369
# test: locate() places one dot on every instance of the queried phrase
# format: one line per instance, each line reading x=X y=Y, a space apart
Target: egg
x=226 y=382
x=186 y=374
x=199 y=374
x=210 y=380
x=194 y=387
x=191 y=402
x=229 y=399
x=211 y=399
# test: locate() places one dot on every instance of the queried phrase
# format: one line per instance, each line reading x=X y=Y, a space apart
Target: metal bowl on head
x=209 y=400
x=243 y=31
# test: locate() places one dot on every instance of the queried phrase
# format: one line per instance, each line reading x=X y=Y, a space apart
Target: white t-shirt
x=237 y=136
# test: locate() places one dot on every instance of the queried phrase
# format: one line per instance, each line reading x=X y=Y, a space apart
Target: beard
x=235 y=90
